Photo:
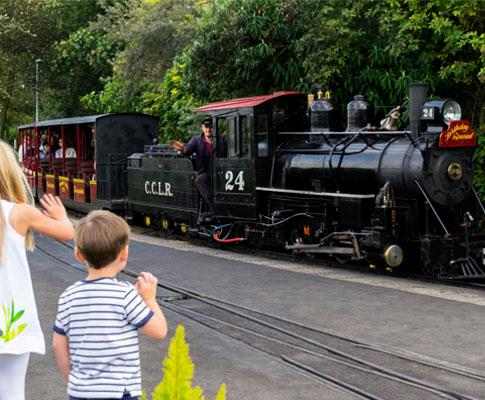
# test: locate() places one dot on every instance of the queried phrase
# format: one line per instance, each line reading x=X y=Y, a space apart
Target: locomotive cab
x=247 y=128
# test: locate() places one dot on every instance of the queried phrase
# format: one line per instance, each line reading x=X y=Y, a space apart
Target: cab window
x=232 y=138
x=221 y=134
x=245 y=135
x=262 y=135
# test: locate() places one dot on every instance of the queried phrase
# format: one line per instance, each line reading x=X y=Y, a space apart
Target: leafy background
x=165 y=57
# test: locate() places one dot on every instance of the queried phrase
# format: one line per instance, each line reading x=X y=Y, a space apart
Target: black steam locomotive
x=287 y=177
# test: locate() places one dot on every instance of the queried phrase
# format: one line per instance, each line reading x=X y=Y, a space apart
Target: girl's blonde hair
x=14 y=188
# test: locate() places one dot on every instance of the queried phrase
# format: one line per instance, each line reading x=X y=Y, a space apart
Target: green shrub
x=178 y=371
x=479 y=178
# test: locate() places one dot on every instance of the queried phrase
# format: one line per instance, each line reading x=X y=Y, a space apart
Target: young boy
x=95 y=334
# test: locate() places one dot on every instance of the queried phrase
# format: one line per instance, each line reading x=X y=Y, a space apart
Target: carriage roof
x=79 y=120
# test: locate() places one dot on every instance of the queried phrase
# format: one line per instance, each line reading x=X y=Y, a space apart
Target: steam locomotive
x=287 y=177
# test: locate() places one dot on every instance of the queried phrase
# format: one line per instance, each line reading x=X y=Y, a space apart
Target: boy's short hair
x=100 y=237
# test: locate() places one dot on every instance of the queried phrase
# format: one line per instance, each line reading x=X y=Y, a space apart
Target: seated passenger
x=23 y=150
x=69 y=152
x=44 y=151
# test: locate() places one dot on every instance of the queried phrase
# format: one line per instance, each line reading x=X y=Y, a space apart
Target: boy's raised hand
x=53 y=207
x=146 y=285
x=156 y=327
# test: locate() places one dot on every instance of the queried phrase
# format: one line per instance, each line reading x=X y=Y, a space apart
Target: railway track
x=366 y=371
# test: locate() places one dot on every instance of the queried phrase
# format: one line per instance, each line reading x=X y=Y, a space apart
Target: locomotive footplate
x=469 y=269
x=447 y=258
x=470 y=266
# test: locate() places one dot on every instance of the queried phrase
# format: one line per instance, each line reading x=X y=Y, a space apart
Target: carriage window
x=245 y=134
x=232 y=142
x=262 y=135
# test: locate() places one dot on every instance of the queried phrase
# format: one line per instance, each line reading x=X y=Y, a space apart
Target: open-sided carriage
x=96 y=177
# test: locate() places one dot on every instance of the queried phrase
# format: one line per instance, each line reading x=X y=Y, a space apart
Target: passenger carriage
x=96 y=177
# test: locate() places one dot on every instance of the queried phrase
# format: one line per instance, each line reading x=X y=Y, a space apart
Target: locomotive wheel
x=167 y=225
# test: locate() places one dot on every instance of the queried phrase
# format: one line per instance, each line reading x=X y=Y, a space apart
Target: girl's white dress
x=20 y=330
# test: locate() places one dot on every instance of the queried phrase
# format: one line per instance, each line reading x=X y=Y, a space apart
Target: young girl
x=20 y=332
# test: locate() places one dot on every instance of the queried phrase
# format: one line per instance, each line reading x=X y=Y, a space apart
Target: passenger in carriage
x=55 y=143
x=70 y=152
x=23 y=150
x=43 y=141
x=44 y=152
x=44 y=147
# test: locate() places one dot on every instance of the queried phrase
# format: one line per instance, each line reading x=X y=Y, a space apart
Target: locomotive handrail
x=423 y=192
x=310 y=193
x=478 y=200
x=323 y=133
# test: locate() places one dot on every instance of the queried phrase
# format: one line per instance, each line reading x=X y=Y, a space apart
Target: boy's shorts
x=126 y=396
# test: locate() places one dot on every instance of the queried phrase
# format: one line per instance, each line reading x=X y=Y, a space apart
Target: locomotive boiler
x=400 y=196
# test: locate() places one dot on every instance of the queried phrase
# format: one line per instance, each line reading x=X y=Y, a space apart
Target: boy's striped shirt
x=101 y=318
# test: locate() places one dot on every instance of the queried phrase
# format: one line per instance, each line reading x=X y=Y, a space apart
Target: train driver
x=203 y=147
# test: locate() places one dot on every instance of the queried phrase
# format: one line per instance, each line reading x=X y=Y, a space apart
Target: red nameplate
x=459 y=134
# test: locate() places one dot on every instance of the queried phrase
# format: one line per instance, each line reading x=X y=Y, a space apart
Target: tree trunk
x=3 y=117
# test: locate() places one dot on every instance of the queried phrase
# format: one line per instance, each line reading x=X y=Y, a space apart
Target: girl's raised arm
x=53 y=221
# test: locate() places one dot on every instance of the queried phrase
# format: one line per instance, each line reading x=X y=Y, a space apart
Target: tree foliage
x=246 y=48
x=29 y=31
x=148 y=34
x=20 y=45
x=172 y=101
x=348 y=46
x=82 y=60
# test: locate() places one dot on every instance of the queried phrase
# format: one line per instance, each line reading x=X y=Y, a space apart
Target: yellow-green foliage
x=178 y=371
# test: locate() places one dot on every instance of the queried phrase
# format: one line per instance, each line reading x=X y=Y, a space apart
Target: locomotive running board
x=354 y=251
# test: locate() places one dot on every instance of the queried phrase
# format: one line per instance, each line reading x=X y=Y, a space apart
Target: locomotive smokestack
x=417 y=97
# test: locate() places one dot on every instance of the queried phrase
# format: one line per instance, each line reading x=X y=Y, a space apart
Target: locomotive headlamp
x=451 y=111
x=441 y=111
